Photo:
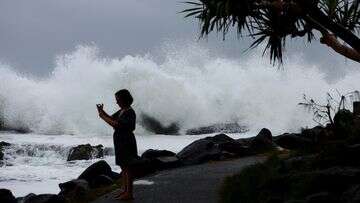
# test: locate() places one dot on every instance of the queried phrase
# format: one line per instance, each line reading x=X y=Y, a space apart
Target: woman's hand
x=100 y=108
x=103 y=115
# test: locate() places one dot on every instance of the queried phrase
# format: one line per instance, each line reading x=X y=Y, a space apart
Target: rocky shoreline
x=218 y=147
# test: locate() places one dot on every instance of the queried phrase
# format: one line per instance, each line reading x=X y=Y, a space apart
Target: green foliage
x=274 y=22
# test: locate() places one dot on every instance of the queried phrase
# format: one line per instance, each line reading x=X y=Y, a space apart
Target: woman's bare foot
x=125 y=196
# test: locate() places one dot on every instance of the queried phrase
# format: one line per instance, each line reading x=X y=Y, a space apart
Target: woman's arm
x=108 y=119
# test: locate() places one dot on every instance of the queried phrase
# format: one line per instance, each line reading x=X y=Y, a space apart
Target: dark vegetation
x=276 y=21
x=317 y=165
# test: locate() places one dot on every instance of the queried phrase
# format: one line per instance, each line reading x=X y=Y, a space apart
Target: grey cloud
x=33 y=32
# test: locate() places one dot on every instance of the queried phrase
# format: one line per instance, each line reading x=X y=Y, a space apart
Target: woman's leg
x=123 y=187
x=128 y=194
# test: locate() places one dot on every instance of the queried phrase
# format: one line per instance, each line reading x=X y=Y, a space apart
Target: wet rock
x=23 y=199
x=317 y=134
x=85 y=152
x=100 y=181
x=143 y=167
x=96 y=169
x=343 y=121
x=296 y=162
x=218 y=128
x=262 y=142
x=45 y=198
x=153 y=153
x=292 y=141
x=109 y=151
x=321 y=197
x=2 y=146
x=155 y=126
x=352 y=195
x=74 y=189
x=6 y=196
x=209 y=148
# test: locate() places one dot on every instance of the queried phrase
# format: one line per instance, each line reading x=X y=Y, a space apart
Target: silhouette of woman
x=123 y=122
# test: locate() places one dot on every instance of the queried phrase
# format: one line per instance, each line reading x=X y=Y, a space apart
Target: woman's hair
x=125 y=96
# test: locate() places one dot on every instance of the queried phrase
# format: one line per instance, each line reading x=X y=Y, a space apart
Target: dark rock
x=153 y=153
x=321 y=197
x=100 y=181
x=352 y=195
x=161 y=159
x=153 y=125
x=331 y=179
x=143 y=167
x=292 y=141
x=262 y=142
x=115 y=176
x=236 y=147
x=317 y=134
x=85 y=152
x=218 y=128
x=296 y=162
x=6 y=196
x=45 y=198
x=109 y=151
x=24 y=199
x=96 y=169
x=74 y=189
x=2 y=146
x=210 y=148
x=343 y=121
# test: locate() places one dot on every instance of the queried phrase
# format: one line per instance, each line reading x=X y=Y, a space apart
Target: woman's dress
x=124 y=138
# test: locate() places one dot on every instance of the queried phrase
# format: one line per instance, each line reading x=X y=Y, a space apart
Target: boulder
x=216 y=128
x=96 y=169
x=330 y=179
x=161 y=159
x=109 y=151
x=321 y=197
x=100 y=181
x=292 y=141
x=143 y=167
x=154 y=153
x=343 y=122
x=2 y=146
x=317 y=134
x=74 y=189
x=155 y=126
x=6 y=196
x=352 y=195
x=209 y=148
x=262 y=142
x=45 y=198
x=24 y=199
x=85 y=152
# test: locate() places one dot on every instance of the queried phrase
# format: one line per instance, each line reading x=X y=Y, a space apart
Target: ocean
x=189 y=86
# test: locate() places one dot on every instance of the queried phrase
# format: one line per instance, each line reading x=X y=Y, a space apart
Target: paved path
x=199 y=183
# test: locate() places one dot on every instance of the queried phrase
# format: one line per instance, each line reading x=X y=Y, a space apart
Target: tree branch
x=331 y=41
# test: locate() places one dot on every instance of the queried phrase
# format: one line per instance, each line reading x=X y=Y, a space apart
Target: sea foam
x=188 y=86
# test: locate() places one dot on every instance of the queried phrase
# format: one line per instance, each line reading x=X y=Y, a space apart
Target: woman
x=123 y=122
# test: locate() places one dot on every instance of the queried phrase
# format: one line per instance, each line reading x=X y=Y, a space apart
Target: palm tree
x=275 y=21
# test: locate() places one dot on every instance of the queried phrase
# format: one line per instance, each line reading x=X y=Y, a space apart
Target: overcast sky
x=33 y=32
